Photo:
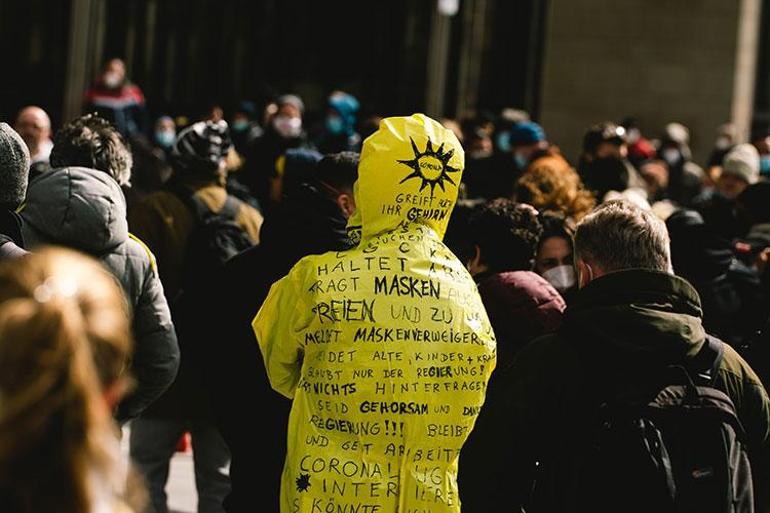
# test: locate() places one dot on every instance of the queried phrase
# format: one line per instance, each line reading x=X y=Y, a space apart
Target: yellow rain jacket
x=386 y=348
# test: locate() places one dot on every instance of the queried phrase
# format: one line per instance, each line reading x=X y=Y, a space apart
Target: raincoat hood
x=409 y=172
x=77 y=207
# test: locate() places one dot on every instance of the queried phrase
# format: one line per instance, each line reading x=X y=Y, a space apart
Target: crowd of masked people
x=154 y=329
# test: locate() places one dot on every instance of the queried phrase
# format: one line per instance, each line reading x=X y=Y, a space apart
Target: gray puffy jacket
x=85 y=209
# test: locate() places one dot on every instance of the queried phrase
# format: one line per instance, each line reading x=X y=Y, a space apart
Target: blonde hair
x=64 y=339
x=551 y=184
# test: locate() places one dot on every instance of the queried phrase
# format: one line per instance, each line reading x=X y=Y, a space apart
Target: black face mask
x=607 y=174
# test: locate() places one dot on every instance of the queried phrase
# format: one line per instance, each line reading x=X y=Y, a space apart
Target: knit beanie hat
x=742 y=162
x=14 y=168
x=201 y=147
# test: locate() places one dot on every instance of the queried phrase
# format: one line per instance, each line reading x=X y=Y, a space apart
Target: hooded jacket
x=85 y=209
x=385 y=348
x=623 y=326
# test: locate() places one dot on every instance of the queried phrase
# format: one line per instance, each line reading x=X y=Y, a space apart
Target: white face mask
x=561 y=277
x=671 y=155
x=112 y=80
x=722 y=143
x=287 y=127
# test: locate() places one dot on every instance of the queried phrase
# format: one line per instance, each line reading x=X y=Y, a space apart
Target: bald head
x=34 y=126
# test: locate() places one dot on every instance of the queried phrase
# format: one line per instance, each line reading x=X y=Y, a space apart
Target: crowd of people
x=272 y=289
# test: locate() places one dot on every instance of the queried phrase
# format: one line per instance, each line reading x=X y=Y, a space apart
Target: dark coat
x=628 y=323
x=521 y=306
x=166 y=223
x=85 y=209
x=734 y=303
x=306 y=223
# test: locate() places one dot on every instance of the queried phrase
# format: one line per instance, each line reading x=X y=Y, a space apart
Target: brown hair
x=551 y=184
x=64 y=338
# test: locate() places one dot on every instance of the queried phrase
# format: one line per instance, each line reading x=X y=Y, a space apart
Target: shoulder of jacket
x=142 y=248
x=736 y=369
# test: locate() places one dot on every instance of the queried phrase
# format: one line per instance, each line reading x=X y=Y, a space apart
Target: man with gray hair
x=620 y=236
x=14 y=169
x=631 y=327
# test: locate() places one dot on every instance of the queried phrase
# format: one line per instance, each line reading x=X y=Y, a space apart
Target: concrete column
x=660 y=61
x=744 y=81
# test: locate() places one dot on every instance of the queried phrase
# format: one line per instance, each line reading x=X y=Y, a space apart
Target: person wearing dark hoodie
x=79 y=204
x=14 y=171
x=521 y=306
x=734 y=303
x=310 y=220
x=630 y=321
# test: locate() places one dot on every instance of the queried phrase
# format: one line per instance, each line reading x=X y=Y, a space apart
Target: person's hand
x=761 y=261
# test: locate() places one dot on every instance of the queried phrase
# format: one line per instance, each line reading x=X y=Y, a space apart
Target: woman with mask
x=553 y=260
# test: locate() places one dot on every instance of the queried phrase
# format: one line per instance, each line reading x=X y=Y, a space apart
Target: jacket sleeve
x=156 y=352
x=753 y=408
x=277 y=326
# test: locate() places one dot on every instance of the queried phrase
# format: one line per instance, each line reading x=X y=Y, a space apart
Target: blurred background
x=569 y=63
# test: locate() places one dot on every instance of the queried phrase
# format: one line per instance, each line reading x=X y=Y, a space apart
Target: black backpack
x=671 y=448
x=216 y=238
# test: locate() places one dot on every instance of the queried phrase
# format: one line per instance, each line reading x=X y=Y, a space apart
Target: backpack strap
x=231 y=208
x=706 y=363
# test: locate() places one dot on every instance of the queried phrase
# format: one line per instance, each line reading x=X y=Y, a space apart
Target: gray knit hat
x=14 y=168
x=742 y=162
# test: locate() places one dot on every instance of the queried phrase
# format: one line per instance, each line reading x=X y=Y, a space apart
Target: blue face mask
x=334 y=125
x=503 y=141
x=764 y=164
x=241 y=125
x=521 y=160
x=165 y=138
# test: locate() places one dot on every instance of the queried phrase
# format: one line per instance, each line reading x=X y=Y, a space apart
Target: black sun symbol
x=432 y=167
x=303 y=482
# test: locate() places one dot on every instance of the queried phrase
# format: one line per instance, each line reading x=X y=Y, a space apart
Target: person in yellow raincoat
x=385 y=349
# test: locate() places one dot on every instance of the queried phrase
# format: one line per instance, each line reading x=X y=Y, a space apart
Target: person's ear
x=347 y=204
x=474 y=263
x=585 y=274
x=114 y=392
